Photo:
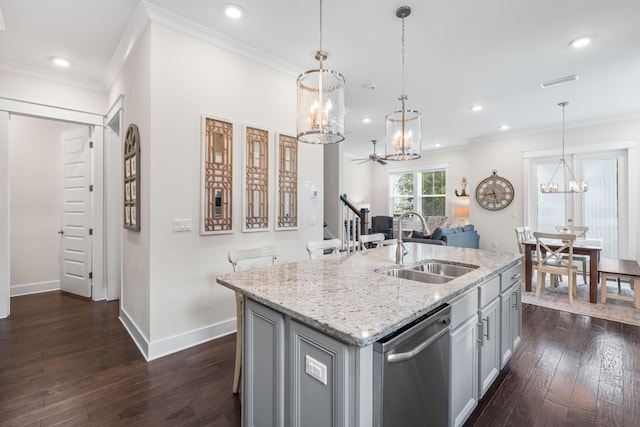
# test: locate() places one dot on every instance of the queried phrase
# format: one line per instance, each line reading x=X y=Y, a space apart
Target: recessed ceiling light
x=476 y=108
x=437 y=145
x=233 y=11
x=366 y=120
x=61 y=62
x=504 y=127
x=580 y=42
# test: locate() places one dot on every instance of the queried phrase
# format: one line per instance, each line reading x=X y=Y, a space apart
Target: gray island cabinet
x=310 y=329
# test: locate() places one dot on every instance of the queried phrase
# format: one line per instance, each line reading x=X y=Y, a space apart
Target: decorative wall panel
x=287 y=204
x=132 y=179
x=217 y=176
x=256 y=188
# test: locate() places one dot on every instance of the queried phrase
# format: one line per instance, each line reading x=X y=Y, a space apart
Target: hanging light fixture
x=570 y=183
x=320 y=102
x=404 y=126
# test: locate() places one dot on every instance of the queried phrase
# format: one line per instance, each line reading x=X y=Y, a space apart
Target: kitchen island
x=310 y=326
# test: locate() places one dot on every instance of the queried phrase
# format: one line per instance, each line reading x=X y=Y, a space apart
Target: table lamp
x=461 y=212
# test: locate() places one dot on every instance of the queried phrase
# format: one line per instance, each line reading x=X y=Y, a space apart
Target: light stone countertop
x=345 y=298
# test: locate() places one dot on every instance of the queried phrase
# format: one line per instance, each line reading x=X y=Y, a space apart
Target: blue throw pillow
x=417 y=234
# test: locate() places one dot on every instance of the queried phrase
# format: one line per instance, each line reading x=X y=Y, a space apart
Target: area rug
x=558 y=299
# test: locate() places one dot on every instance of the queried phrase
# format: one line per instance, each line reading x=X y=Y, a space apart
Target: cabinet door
x=489 y=339
x=464 y=372
x=263 y=366
x=506 y=340
x=322 y=384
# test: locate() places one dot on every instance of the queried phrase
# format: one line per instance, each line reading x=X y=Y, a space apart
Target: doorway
x=35 y=207
x=10 y=108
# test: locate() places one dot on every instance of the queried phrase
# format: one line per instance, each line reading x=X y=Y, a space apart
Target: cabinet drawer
x=488 y=291
x=511 y=276
x=463 y=307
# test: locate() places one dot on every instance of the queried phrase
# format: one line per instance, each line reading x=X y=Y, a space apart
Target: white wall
x=134 y=83
x=357 y=180
x=506 y=156
x=190 y=78
x=35 y=176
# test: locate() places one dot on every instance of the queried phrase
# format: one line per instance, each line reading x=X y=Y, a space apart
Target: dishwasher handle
x=401 y=357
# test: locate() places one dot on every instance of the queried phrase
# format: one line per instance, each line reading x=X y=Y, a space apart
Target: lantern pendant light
x=320 y=102
x=404 y=126
x=570 y=183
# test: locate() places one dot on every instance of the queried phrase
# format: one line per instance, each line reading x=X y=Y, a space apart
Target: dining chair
x=371 y=240
x=581 y=232
x=319 y=248
x=244 y=260
x=548 y=260
x=523 y=234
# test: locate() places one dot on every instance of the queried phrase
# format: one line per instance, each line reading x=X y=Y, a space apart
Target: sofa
x=465 y=237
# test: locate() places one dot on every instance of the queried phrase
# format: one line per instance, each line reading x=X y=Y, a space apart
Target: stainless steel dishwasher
x=411 y=373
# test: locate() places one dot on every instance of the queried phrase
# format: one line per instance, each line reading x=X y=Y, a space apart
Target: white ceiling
x=458 y=53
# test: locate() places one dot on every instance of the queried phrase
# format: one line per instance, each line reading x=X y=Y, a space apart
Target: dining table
x=582 y=246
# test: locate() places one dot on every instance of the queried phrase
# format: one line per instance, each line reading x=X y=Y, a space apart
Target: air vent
x=560 y=81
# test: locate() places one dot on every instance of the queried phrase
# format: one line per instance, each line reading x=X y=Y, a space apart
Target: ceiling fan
x=372 y=157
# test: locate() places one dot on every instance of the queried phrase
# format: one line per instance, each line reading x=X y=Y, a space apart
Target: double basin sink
x=429 y=271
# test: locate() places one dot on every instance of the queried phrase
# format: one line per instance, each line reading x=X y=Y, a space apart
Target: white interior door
x=75 y=241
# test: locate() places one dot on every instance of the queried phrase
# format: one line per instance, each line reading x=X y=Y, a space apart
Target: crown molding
x=179 y=23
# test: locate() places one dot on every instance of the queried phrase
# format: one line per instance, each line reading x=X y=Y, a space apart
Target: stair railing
x=356 y=222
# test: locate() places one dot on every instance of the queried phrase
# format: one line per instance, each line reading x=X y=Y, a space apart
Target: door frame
x=12 y=106
x=627 y=248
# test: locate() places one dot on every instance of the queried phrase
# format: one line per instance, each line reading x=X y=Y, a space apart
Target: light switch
x=312 y=220
x=182 y=224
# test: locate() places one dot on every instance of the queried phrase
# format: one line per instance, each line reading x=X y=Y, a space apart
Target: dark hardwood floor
x=570 y=370
x=69 y=362
x=65 y=361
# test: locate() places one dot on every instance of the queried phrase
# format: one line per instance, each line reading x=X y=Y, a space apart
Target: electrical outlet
x=494 y=244
x=316 y=369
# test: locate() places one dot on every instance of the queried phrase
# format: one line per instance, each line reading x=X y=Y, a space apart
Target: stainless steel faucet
x=400 y=246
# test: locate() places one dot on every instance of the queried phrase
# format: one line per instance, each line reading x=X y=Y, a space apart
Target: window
x=424 y=191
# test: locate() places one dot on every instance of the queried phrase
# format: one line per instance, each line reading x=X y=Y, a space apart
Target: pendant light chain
x=321 y=55
x=403 y=140
x=403 y=90
x=564 y=104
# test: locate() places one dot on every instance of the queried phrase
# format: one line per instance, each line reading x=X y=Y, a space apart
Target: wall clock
x=495 y=192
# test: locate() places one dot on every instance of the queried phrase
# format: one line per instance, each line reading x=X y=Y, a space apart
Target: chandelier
x=570 y=183
x=404 y=126
x=320 y=116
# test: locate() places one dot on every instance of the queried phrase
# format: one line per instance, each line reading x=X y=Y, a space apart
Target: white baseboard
x=35 y=288
x=136 y=335
x=158 y=349
x=190 y=339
